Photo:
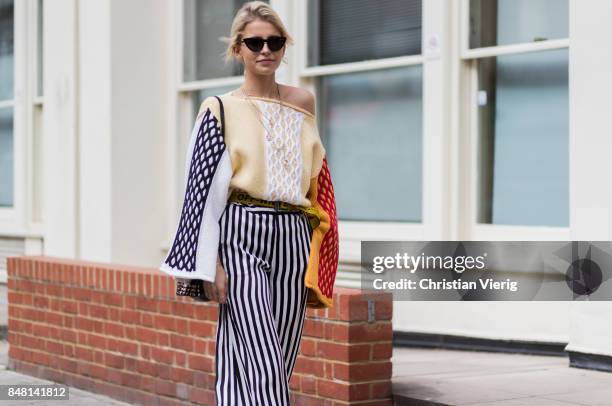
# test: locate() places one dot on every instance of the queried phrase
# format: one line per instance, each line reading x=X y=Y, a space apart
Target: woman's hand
x=217 y=290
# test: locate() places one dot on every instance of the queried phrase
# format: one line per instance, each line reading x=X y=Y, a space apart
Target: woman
x=258 y=230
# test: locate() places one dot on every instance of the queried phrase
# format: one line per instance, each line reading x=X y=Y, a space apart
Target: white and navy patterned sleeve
x=194 y=250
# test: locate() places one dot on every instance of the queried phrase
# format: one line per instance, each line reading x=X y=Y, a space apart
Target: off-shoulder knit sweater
x=270 y=150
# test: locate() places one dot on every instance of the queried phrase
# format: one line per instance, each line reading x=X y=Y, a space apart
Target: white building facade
x=443 y=120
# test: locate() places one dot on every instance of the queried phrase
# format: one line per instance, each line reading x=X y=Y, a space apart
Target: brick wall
x=121 y=331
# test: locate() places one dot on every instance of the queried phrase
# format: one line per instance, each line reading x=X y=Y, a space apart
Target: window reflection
x=6 y=157
x=6 y=50
x=504 y=22
x=204 y=22
x=342 y=31
x=372 y=131
x=524 y=139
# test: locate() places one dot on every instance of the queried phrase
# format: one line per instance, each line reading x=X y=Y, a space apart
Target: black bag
x=194 y=288
x=191 y=287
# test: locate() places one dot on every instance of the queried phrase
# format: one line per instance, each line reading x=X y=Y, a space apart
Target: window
x=343 y=31
x=7 y=154
x=366 y=59
x=21 y=117
x=522 y=110
x=203 y=71
x=505 y=22
x=204 y=21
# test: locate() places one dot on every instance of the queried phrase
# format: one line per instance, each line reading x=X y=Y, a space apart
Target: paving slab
x=431 y=377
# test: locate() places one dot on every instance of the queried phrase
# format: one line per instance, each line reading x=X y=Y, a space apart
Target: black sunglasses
x=256 y=44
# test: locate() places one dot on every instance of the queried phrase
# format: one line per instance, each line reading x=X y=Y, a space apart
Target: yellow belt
x=243 y=197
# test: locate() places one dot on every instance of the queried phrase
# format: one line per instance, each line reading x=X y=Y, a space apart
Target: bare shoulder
x=300 y=97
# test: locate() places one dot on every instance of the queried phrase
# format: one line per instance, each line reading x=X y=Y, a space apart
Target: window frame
x=468 y=66
x=23 y=219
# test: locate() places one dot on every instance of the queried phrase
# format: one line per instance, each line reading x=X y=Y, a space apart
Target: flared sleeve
x=324 y=246
x=193 y=255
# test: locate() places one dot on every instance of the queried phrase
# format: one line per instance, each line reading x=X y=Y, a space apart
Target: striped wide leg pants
x=264 y=253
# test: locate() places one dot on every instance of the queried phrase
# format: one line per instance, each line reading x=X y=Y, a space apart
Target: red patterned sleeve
x=324 y=248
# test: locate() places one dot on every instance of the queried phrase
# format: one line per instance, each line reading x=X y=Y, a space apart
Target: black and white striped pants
x=264 y=253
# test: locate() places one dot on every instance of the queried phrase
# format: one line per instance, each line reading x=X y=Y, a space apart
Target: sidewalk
x=449 y=377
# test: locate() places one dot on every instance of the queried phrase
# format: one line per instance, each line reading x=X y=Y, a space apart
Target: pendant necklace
x=277 y=144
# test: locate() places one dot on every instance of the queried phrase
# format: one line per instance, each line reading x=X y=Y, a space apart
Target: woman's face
x=264 y=62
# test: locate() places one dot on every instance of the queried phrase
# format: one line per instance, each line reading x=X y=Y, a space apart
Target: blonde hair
x=249 y=12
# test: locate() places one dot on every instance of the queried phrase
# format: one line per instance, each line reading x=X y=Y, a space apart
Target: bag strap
x=222 y=114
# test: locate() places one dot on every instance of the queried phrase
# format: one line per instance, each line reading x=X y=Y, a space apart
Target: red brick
x=382 y=350
x=201 y=329
x=183 y=375
x=127 y=316
x=363 y=332
x=200 y=363
x=113 y=361
x=181 y=341
x=306 y=400
x=380 y=390
x=333 y=390
x=146 y=367
x=163 y=339
x=202 y=396
x=145 y=303
x=146 y=335
x=96 y=341
x=362 y=372
x=83 y=354
x=332 y=351
x=353 y=309
x=308 y=384
x=311 y=366
x=294 y=382
x=113 y=299
x=165 y=307
x=314 y=328
x=183 y=309
x=307 y=346
x=359 y=391
x=161 y=355
x=68 y=336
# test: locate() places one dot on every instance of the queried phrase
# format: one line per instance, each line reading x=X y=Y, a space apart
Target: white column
x=60 y=184
x=143 y=128
x=95 y=130
x=590 y=163
x=437 y=172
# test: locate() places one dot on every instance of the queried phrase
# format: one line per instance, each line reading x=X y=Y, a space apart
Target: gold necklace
x=260 y=114
x=277 y=144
